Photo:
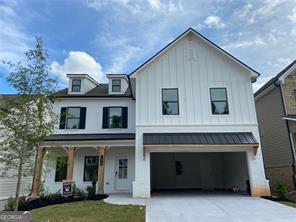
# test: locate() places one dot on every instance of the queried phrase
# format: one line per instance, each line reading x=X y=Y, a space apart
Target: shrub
x=281 y=190
x=10 y=204
x=91 y=190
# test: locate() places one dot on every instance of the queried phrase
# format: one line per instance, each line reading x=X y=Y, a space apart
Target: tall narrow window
x=170 y=102
x=115 y=117
x=61 y=169
x=91 y=168
x=219 y=102
x=73 y=118
x=116 y=85
x=76 y=85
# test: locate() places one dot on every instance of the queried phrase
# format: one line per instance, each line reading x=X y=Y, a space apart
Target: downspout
x=289 y=134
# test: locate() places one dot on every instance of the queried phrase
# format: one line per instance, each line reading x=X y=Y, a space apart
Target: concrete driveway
x=215 y=207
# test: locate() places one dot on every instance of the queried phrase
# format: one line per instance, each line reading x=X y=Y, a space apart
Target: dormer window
x=76 y=85
x=116 y=85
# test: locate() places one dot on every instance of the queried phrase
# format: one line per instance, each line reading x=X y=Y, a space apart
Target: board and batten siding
x=193 y=67
x=273 y=130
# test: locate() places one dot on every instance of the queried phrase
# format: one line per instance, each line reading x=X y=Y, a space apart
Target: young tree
x=27 y=118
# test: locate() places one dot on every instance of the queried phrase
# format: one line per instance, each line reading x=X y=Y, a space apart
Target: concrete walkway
x=124 y=199
x=215 y=208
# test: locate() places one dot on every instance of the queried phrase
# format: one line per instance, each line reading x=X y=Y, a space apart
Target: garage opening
x=204 y=171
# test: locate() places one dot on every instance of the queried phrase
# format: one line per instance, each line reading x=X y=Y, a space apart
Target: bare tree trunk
x=18 y=184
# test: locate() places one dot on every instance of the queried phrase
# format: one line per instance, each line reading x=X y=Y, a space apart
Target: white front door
x=121 y=173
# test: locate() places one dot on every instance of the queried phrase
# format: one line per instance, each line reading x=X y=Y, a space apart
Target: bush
x=10 y=204
x=91 y=190
x=281 y=190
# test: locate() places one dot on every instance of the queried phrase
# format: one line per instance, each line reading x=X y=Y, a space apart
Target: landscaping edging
x=42 y=201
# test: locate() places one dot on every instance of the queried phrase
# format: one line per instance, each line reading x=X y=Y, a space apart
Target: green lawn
x=290 y=204
x=89 y=211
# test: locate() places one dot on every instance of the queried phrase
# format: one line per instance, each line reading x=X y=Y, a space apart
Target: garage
x=199 y=170
x=206 y=161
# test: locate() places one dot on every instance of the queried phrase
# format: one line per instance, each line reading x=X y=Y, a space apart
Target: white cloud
x=13 y=40
x=258 y=41
x=214 y=22
x=292 y=16
x=260 y=82
x=78 y=62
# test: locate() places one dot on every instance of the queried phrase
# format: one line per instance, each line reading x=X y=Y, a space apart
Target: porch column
x=38 y=171
x=71 y=151
x=101 y=169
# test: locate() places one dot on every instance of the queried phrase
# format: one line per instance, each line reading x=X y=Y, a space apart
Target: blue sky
x=116 y=36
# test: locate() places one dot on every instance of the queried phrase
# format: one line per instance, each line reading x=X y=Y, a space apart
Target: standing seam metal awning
x=201 y=139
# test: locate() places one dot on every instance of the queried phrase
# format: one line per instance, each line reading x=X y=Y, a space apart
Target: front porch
x=109 y=163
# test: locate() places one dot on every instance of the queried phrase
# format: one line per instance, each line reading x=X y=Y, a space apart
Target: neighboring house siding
x=193 y=67
x=275 y=141
x=289 y=93
x=8 y=187
x=273 y=130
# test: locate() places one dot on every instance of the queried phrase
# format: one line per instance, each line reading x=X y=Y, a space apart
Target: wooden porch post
x=38 y=171
x=71 y=151
x=101 y=167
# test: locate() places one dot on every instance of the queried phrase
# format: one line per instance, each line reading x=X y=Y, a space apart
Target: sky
x=116 y=36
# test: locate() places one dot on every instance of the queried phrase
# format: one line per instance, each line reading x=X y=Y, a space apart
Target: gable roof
x=275 y=78
x=200 y=36
x=99 y=91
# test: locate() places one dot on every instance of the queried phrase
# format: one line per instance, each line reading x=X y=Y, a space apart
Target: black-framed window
x=76 y=85
x=61 y=168
x=170 y=101
x=219 y=101
x=115 y=117
x=116 y=85
x=91 y=164
x=72 y=118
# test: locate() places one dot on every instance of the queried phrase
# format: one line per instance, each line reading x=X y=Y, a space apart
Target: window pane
x=76 y=82
x=115 y=122
x=73 y=123
x=73 y=112
x=115 y=117
x=75 y=88
x=61 y=169
x=91 y=168
x=122 y=174
x=116 y=85
x=220 y=108
x=170 y=95
x=115 y=111
x=218 y=94
x=116 y=88
x=170 y=108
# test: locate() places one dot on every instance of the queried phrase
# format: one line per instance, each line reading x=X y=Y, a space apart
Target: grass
x=288 y=203
x=89 y=211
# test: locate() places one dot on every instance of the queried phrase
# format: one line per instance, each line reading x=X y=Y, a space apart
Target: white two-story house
x=185 y=119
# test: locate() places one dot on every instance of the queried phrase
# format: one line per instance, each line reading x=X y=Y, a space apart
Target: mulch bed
x=43 y=201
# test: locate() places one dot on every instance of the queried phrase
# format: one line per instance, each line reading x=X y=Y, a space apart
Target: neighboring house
x=276 y=112
x=184 y=119
x=8 y=183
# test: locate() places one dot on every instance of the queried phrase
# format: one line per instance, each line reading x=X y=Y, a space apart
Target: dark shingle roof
x=79 y=137
x=236 y=138
x=274 y=79
x=98 y=91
